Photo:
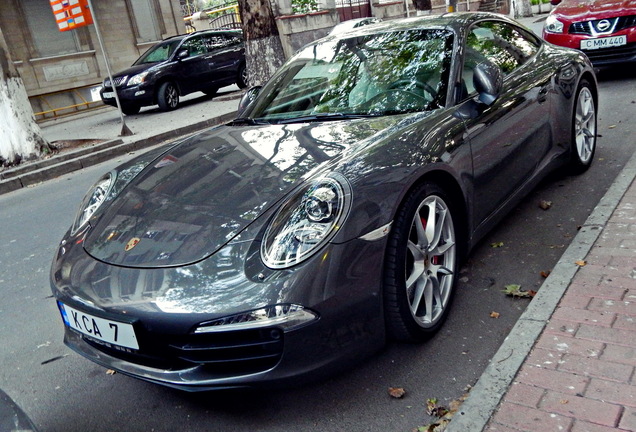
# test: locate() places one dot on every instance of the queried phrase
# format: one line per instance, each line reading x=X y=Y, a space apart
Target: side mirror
x=247 y=100
x=488 y=81
x=182 y=54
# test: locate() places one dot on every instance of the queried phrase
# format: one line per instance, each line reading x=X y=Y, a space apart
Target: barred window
x=47 y=39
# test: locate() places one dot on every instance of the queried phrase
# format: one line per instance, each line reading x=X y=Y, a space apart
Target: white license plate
x=605 y=42
x=112 y=332
x=108 y=95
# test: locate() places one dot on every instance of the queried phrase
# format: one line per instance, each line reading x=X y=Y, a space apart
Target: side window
x=497 y=42
x=223 y=40
x=217 y=41
x=195 y=46
x=47 y=39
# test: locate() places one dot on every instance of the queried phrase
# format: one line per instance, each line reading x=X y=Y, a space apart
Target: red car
x=604 y=29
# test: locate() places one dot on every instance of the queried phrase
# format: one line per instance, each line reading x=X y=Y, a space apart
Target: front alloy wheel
x=168 y=96
x=421 y=265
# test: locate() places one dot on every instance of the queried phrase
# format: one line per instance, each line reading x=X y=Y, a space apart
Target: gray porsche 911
x=333 y=213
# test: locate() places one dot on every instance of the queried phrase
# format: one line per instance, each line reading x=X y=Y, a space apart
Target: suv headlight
x=553 y=25
x=137 y=79
x=93 y=200
x=307 y=221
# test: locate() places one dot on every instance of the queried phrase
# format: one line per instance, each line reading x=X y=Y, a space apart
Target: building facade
x=59 y=69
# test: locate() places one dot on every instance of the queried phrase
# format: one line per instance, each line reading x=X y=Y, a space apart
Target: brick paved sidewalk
x=580 y=375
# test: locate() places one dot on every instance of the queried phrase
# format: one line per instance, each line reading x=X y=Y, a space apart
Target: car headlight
x=308 y=220
x=93 y=200
x=137 y=79
x=285 y=316
x=553 y=25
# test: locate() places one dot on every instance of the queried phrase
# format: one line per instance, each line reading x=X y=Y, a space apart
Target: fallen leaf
x=564 y=401
x=110 y=372
x=396 y=392
x=580 y=263
x=515 y=291
x=545 y=205
x=440 y=424
x=545 y=274
x=532 y=293
x=496 y=244
x=433 y=409
x=494 y=314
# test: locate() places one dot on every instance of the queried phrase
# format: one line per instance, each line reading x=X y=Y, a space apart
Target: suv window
x=195 y=46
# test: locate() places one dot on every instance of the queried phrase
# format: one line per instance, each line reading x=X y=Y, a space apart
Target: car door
x=511 y=137
x=226 y=53
x=194 y=68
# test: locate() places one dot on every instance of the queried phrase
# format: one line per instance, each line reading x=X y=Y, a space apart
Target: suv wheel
x=241 y=80
x=168 y=96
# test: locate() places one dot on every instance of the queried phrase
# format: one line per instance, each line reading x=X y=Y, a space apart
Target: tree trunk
x=20 y=136
x=520 y=8
x=423 y=7
x=263 y=48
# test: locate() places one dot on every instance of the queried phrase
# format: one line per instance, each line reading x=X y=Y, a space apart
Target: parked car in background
x=334 y=212
x=200 y=61
x=604 y=29
x=351 y=24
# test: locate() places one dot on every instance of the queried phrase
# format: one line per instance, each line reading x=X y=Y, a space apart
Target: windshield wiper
x=324 y=117
x=241 y=121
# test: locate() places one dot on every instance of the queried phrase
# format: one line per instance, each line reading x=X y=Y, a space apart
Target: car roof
x=209 y=31
x=455 y=21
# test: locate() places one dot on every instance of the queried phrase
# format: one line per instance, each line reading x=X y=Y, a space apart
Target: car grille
x=222 y=354
x=590 y=28
x=119 y=81
x=612 y=55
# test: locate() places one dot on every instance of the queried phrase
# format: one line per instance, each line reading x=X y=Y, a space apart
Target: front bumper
x=134 y=95
x=602 y=56
x=343 y=290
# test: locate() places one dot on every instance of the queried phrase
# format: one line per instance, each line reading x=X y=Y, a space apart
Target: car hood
x=576 y=10
x=198 y=196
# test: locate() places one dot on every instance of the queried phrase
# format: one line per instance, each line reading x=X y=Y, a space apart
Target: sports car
x=604 y=29
x=331 y=215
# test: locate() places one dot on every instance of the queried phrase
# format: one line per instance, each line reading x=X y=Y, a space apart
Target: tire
x=130 y=109
x=583 y=129
x=421 y=265
x=242 y=78
x=168 y=96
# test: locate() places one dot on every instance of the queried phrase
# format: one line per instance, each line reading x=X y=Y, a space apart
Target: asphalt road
x=61 y=391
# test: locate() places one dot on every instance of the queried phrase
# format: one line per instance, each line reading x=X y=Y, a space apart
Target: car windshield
x=158 y=53
x=371 y=75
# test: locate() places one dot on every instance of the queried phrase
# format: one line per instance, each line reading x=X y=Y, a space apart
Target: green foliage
x=304 y=6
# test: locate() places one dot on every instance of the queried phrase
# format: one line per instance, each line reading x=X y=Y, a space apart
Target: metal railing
x=60 y=103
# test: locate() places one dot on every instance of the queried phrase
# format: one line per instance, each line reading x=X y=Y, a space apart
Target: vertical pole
x=124 y=129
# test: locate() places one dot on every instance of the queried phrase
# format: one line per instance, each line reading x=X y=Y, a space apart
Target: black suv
x=179 y=65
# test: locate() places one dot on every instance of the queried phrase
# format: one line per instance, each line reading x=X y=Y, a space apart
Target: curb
x=483 y=399
x=37 y=172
